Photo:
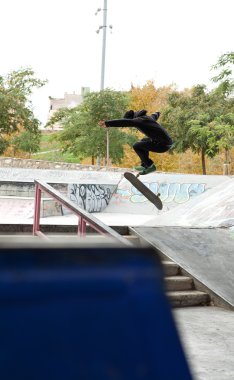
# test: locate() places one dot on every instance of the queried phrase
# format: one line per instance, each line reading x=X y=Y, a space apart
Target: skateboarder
x=157 y=140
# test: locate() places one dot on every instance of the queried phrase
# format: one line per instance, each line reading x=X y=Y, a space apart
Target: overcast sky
x=167 y=41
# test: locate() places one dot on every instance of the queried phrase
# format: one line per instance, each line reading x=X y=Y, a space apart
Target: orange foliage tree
x=152 y=99
x=149 y=97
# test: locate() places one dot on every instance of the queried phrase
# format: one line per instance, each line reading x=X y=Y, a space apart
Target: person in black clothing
x=157 y=140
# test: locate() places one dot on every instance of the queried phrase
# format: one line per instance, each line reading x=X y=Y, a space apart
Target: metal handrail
x=83 y=216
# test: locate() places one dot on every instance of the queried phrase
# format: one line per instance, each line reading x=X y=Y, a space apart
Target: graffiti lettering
x=92 y=198
x=169 y=192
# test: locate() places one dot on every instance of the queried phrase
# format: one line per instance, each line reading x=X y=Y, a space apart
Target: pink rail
x=83 y=216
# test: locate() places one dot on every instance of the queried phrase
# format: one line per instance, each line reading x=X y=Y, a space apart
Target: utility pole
x=104 y=25
x=103 y=28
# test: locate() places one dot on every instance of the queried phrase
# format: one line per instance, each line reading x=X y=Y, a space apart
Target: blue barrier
x=86 y=313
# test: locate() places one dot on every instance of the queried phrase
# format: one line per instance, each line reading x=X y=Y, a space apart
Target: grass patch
x=50 y=150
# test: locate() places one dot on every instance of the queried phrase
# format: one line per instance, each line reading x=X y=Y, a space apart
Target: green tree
x=202 y=138
x=224 y=78
x=27 y=141
x=224 y=126
x=190 y=116
x=16 y=114
x=81 y=134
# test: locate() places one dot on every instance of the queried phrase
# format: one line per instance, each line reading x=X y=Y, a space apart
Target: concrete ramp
x=213 y=208
x=188 y=200
x=207 y=254
x=175 y=189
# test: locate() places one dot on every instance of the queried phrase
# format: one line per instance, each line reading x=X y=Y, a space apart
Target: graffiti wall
x=174 y=189
x=169 y=192
x=91 y=197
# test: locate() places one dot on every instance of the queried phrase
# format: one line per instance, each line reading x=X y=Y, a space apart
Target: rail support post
x=37 y=210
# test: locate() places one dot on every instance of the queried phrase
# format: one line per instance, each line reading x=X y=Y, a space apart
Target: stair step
x=132 y=239
x=188 y=298
x=176 y=283
x=170 y=268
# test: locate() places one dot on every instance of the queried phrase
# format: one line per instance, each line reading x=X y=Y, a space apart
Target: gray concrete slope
x=188 y=201
x=206 y=254
x=175 y=190
x=213 y=208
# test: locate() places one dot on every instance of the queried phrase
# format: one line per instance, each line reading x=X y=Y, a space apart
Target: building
x=69 y=101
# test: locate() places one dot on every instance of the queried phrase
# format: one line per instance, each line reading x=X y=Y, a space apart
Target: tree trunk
x=203 y=162
x=226 y=165
x=92 y=160
x=227 y=156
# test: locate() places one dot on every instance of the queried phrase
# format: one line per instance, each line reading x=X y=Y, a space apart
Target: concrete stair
x=181 y=289
x=188 y=298
x=170 y=268
x=178 y=283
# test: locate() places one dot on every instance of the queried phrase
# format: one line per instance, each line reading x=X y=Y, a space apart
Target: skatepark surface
x=188 y=200
x=207 y=335
x=195 y=229
x=205 y=253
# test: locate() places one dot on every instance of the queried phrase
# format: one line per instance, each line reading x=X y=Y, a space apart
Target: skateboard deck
x=154 y=198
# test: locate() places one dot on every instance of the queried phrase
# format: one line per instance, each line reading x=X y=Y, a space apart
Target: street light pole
x=104 y=27
x=103 y=73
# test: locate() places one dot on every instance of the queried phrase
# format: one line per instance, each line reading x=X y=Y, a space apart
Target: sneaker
x=139 y=168
x=148 y=170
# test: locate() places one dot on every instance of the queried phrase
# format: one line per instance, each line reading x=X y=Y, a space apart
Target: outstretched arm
x=119 y=123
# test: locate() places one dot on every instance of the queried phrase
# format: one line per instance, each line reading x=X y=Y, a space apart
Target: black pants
x=146 y=145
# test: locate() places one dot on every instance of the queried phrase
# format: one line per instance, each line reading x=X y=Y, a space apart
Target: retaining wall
x=9 y=162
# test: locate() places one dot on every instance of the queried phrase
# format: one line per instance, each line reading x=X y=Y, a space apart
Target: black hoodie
x=145 y=124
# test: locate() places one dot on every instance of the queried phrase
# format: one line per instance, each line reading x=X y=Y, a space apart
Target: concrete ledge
x=27 y=227
x=10 y=162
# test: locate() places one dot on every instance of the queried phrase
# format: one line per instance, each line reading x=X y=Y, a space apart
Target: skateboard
x=154 y=198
